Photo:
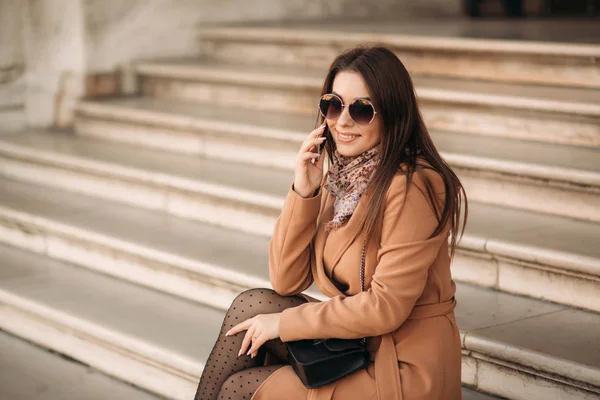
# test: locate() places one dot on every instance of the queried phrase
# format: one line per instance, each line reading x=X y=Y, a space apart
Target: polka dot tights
x=229 y=377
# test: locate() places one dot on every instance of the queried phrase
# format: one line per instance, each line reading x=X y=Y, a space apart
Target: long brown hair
x=405 y=137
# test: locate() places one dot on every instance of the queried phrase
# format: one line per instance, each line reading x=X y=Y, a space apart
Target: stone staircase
x=112 y=236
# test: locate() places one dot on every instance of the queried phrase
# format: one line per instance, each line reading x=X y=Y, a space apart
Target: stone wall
x=12 y=57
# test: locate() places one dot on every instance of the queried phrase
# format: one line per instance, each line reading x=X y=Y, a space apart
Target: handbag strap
x=362 y=275
x=362 y=267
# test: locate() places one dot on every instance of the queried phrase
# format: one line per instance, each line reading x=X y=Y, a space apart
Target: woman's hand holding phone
x=308 y=174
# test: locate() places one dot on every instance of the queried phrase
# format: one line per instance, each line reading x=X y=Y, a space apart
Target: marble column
x=55 y=60
x=12 y=59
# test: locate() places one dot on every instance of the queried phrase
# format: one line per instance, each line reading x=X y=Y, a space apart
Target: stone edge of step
x=48 y=225
x=568 y=176
x=420 y=42
x=117 y=341
x=151 y=117
x=123 y=114
x=215 y=74
x=539 y=256
x=508 y=101
x=566 y=262
x=139 y=175
x=137 y=370
x=588 y=376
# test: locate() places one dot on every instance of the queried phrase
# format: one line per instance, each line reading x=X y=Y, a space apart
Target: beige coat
x=406 y=310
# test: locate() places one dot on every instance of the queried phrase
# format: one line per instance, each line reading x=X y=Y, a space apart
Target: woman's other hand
x=259 y=329
x=308 y=175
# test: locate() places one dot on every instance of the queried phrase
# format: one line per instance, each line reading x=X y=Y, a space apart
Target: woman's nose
x=344 y=118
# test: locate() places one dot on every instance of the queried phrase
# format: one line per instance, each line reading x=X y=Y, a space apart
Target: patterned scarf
x=347 y=180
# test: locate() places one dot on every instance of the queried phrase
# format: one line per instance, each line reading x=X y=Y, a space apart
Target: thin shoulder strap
x=362 y=267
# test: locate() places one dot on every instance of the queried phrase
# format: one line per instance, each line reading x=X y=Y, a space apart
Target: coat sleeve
x=403 y=261
x=290 y=246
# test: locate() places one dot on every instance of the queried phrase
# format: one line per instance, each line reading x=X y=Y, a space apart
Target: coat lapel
x=342 y=240
x=321 y=278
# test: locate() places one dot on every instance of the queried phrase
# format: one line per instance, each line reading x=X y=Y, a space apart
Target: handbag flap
x=343 y=344
x=308 y=352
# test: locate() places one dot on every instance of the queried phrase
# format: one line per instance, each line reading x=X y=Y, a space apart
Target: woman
x=388 y=188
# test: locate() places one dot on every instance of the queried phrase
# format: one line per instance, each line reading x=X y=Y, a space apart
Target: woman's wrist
x=315 y=193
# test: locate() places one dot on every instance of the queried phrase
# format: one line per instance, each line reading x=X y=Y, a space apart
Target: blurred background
x=146 y=147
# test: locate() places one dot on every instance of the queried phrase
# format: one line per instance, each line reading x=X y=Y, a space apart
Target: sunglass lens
x=362 y=111
x=330 y=106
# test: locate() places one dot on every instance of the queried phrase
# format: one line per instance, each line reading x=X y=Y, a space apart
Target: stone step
x=158 y=342
x=426 y=46
x=549 y=114
x=217 y=132
x=186 y=258
x=473 y=394
x=239 y=196
x=29 y=372
x=530 y=175
x=520 y=252
x=512 y=347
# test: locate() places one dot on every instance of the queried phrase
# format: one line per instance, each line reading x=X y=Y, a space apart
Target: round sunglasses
x=361 y=110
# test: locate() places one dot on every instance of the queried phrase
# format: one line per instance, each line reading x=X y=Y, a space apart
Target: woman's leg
x=224 y=362
x=243 y=384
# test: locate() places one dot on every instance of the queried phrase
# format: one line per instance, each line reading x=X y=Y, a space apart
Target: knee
x=261 y=301
x=251 y=302
x=249 y=296
x=231 y=388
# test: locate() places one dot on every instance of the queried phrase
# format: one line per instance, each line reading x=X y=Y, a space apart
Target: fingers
x=248 y=339
x=246 y=342
x=312 y=146
x=256 y=344
x=308 y=156
x=312 y=143
x=242 y=326
x=253 y=340
x=317 y=161
x=317 y=131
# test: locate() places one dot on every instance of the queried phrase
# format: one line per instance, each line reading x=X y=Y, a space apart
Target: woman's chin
x=345 y=151
x=349 y=150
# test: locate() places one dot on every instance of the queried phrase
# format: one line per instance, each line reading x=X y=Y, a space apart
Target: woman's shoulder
x=423 y=174
x=424 y=180
x=408 y=210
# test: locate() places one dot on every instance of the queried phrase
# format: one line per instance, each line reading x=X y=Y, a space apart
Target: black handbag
x=320 y=362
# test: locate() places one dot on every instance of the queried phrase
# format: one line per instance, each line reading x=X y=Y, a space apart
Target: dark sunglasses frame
x=361 y=100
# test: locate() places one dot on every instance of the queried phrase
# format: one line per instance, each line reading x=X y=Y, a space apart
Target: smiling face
x=351 y=138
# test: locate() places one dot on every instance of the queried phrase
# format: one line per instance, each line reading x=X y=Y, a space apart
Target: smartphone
x=322 y=145
x=325 y=134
